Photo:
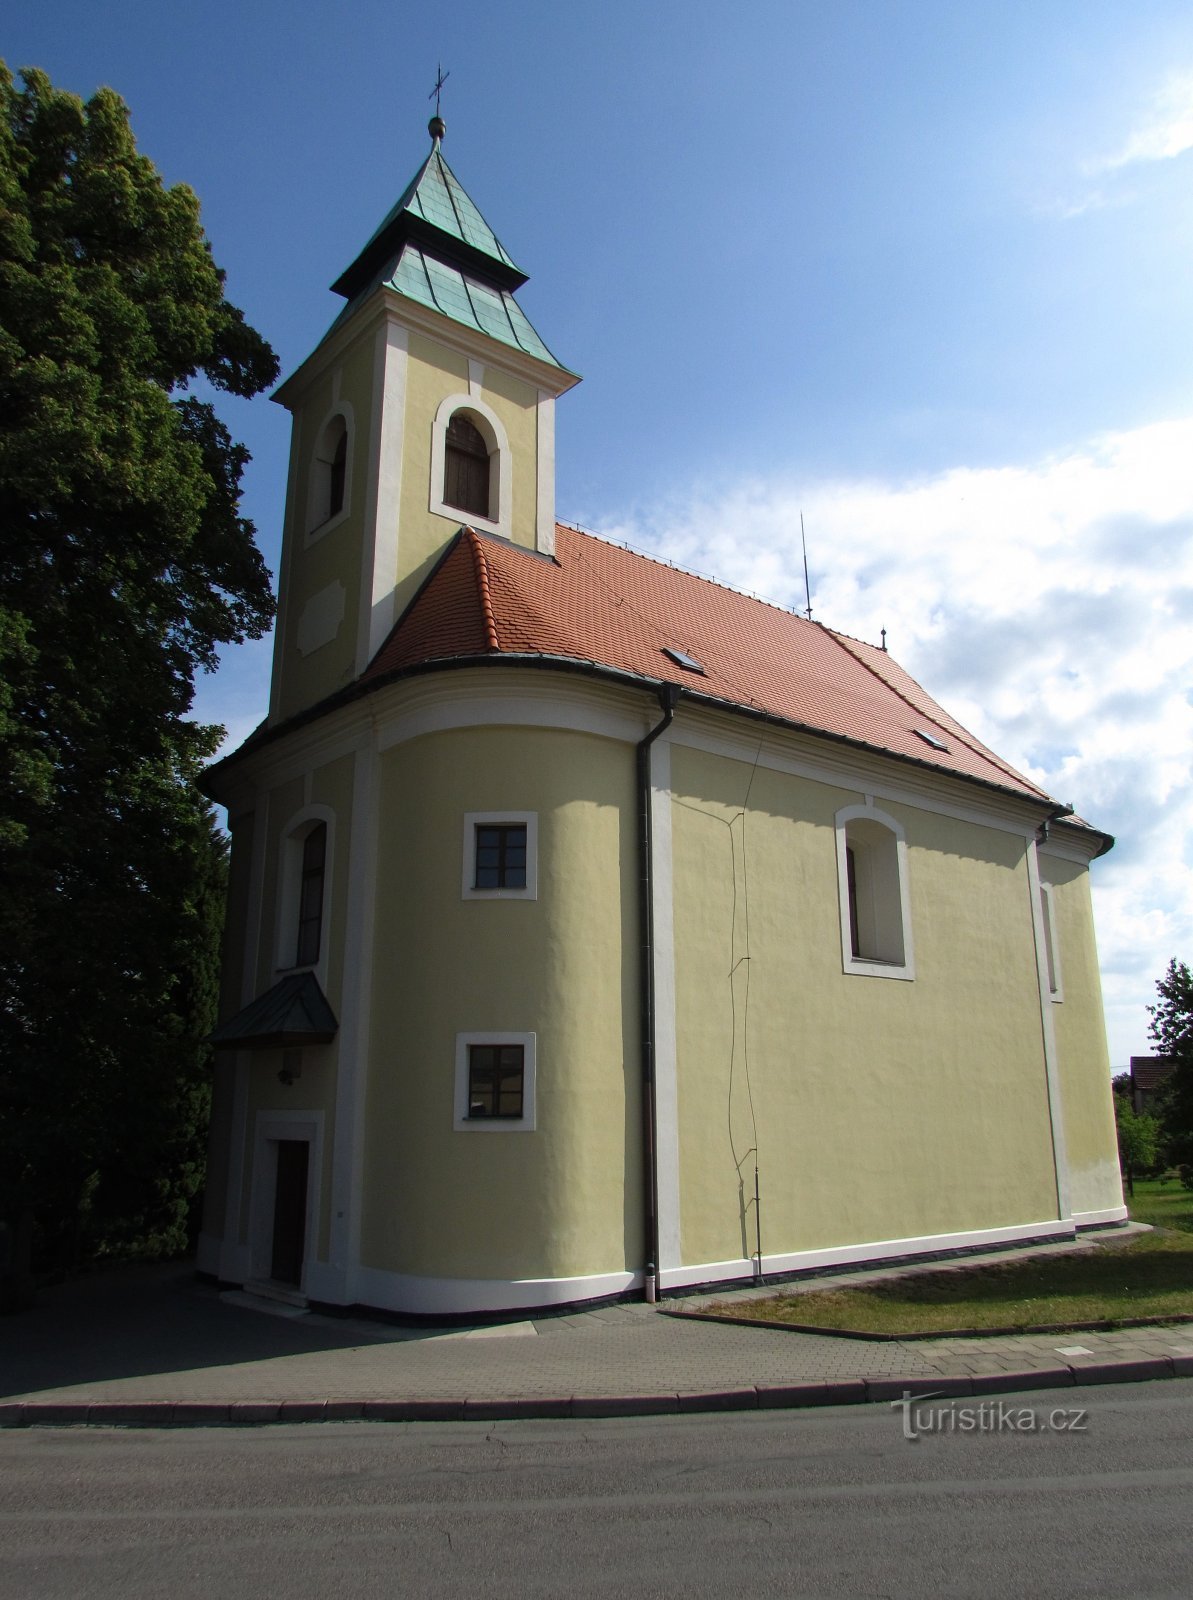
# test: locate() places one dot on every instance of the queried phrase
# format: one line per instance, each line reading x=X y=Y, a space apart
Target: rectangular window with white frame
x=495 y=1082
x=500 y=855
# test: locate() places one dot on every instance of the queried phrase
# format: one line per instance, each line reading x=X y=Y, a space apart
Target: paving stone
x=1025 y=1378
x=718 y=1400
x=630 y=1405
x=1122 y=1371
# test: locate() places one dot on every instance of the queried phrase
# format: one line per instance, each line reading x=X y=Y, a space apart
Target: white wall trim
x=843 y=768
x=860 y=965
x=238 y=1126
x=1095 y=1219
x=285 y=577
x=379 y=564
x=665 y=1056
x=545 y=508
x=1051 y=931
x=352 y=1054
x=501 y=465
x=420 y=1296
x=271 y=1126
x=462 y=1122
x=875 y=1250
x=1048 y=1039
x=478 y=708
x=474 y=819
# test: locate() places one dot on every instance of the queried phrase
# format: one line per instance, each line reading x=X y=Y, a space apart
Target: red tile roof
x=596 y=602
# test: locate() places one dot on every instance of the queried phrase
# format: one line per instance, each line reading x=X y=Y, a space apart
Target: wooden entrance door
x=290 y=1212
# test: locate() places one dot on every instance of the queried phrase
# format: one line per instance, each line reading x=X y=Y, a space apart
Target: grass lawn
x=1149 y=1276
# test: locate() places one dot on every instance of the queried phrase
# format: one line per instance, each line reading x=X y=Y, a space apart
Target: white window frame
x=289 y=890
x=318 y=522
x=491 y=429
x=462 y=1122
x=885 y=893
x=473 y=819
x=1056 y=989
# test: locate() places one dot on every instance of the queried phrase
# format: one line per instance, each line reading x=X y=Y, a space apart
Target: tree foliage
x=1171 y=1028
x=124 y=565
x=1138 y=1137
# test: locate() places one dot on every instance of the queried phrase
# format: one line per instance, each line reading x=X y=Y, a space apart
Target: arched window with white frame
x=304 y=881
x=471 y=469
x=873 y=893
x=328 y=497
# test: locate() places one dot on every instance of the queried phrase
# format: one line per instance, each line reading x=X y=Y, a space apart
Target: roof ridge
x=481 y=568
x=690 y=572
x=971 y=742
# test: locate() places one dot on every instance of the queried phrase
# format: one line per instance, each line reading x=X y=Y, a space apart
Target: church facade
x=594 y=929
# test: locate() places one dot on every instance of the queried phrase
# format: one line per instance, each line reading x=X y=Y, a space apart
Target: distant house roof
x=1149 y=1072
x=293 y=1012
x=598 y=603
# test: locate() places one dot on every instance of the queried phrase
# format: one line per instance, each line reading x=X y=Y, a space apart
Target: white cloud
x=1049 y=607
x=1164 y=132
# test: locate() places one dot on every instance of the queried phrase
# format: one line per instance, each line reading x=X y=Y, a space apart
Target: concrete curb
x=761 y=1397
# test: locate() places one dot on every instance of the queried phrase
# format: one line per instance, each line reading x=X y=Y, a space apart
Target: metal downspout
x=668 y=697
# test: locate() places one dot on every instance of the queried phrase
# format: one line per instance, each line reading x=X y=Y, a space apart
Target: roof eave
x=622 y=676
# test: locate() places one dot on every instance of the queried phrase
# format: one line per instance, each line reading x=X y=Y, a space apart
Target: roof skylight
x=683 y=659
x=930 y=738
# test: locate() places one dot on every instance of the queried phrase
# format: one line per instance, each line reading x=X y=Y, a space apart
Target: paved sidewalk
x=152 y=1346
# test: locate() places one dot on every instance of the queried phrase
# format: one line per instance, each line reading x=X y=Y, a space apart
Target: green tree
x=124 y=565
x=1138 y=1138
x=1171 y=1028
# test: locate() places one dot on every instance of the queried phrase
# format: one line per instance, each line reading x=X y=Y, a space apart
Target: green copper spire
x=436 y=248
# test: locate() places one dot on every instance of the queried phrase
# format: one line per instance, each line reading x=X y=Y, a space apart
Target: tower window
x=339 y=467
x=466 y=467
x=329 y=475
x=310 y=896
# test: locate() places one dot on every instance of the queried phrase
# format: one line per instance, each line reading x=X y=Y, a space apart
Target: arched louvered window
x=466 y=467
x=337 y=474
x=310 y=896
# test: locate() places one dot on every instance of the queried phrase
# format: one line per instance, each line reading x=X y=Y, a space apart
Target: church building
x=595 y=929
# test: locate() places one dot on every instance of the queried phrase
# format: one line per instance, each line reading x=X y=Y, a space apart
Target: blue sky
x=921 y=271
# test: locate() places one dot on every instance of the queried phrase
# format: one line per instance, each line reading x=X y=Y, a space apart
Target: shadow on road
x=131 y=1321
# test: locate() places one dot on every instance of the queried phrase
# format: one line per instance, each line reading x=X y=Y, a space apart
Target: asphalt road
x=829 y=1502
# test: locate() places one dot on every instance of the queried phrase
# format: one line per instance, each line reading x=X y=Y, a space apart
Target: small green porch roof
x=293 y=1013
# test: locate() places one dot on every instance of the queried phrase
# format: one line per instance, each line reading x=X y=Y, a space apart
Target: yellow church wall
x=231 y=996
x=1086 y=1094
x=879 y=1105
x=313 y=563
x=563 y=1199
x=331 y=785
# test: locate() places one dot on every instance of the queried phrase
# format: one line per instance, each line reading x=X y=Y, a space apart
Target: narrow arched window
x=329 y=474
x=336 y=476
x=310 y=896
x=466 y=467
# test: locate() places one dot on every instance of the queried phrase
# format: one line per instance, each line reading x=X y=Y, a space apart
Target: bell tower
x=429 y=404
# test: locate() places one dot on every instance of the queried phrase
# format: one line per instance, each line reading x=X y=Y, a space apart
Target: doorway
x=290 y=1212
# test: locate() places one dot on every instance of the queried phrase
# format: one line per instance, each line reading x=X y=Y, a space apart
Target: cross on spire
x=441 y=78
